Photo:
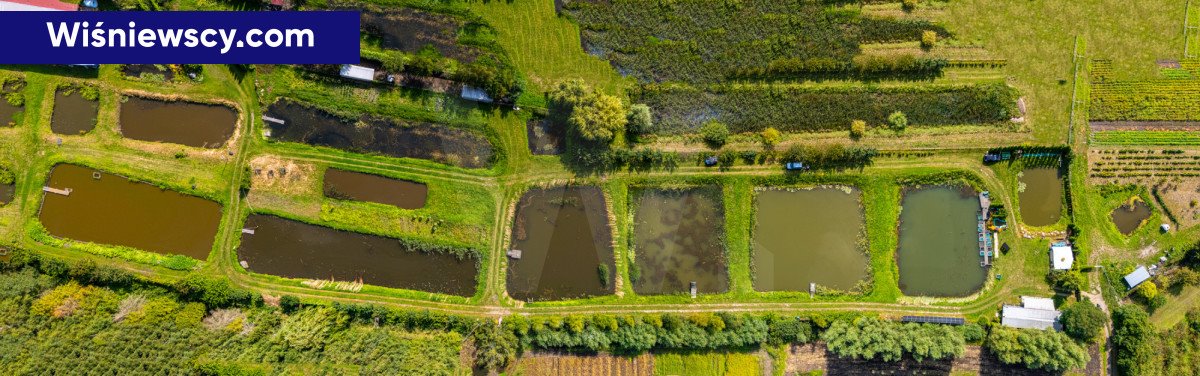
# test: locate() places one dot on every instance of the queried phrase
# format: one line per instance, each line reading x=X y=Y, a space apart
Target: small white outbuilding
x=1061 y=256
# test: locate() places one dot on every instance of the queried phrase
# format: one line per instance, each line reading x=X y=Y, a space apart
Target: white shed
x=1061 y=257
x=358 y=72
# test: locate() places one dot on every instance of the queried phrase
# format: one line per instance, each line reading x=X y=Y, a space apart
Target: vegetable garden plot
x=1171 y=97
x=369 y=134
x=748 y=108
x=703 y=41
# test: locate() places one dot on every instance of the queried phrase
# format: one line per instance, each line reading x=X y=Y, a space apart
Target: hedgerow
x=704 y=41
x=752 y=108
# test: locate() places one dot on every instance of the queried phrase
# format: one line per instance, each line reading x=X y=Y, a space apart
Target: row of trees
x=873 y=338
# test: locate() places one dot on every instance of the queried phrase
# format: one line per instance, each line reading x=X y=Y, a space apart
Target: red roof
x=48 y=4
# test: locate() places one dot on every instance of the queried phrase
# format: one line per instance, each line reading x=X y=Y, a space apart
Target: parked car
x=710 y=161
x=794 y=166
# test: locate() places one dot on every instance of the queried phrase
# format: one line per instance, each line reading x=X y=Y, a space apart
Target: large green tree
x=587 y=114
x=874 y=338
x=1083 y=320
x=1037 y=349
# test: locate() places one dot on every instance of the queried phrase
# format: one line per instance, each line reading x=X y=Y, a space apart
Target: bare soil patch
x=1145 y=125
x=271 y=173
x=553 y=364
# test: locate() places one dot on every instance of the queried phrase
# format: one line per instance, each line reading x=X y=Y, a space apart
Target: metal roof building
x=475 y=94
x=1138 y=276
x=1061 y=256
x=1033 y=313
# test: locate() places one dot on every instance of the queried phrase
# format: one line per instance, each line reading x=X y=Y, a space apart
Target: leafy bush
x=928 y=39
x=1036 y=349
x=788 y=330
x=857 y=129
x=7 y=176
x=1066 y=280
x=909 y=5
x=714 y=134
x=212 y=292
x=898 y=121
x=639 y=120
x=289 y=303
x=770 y=137
x=973 y=333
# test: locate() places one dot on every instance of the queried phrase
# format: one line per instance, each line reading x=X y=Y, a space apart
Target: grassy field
x=1037 y=40
x=546 y=47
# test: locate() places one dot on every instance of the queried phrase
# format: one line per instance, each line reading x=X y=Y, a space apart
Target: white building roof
x=475 y=94
x=358 y=72
x=1137 y=277
x=1029 y=318
x=1061 y=257
x=1037 y=303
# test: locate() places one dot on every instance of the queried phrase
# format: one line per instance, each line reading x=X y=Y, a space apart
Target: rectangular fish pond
x=73 y=115
x=350 y=185
x=679 y=239
x=177 y=122
x=294 y=249
x=367 y=134
x=103 y=208
x=564 y=244
x=1041 y=196
x=804 y=236
x=939 y=242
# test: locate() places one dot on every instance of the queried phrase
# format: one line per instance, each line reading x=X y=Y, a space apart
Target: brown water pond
x=396 y=138
x=73 y=114
x=7 y=192
x=1129 y=217
x=115 y=210
x=808 y=236
x=1041 y=199
x=565 y=245
x=294 y=249
x=186 y=123
x=412 y=31
x=678 y=239
x=939 y=246
x=350 y=185
x=544 y=138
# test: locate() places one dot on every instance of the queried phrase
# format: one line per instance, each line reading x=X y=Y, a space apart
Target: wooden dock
x=271 y=119
x=64 y=192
